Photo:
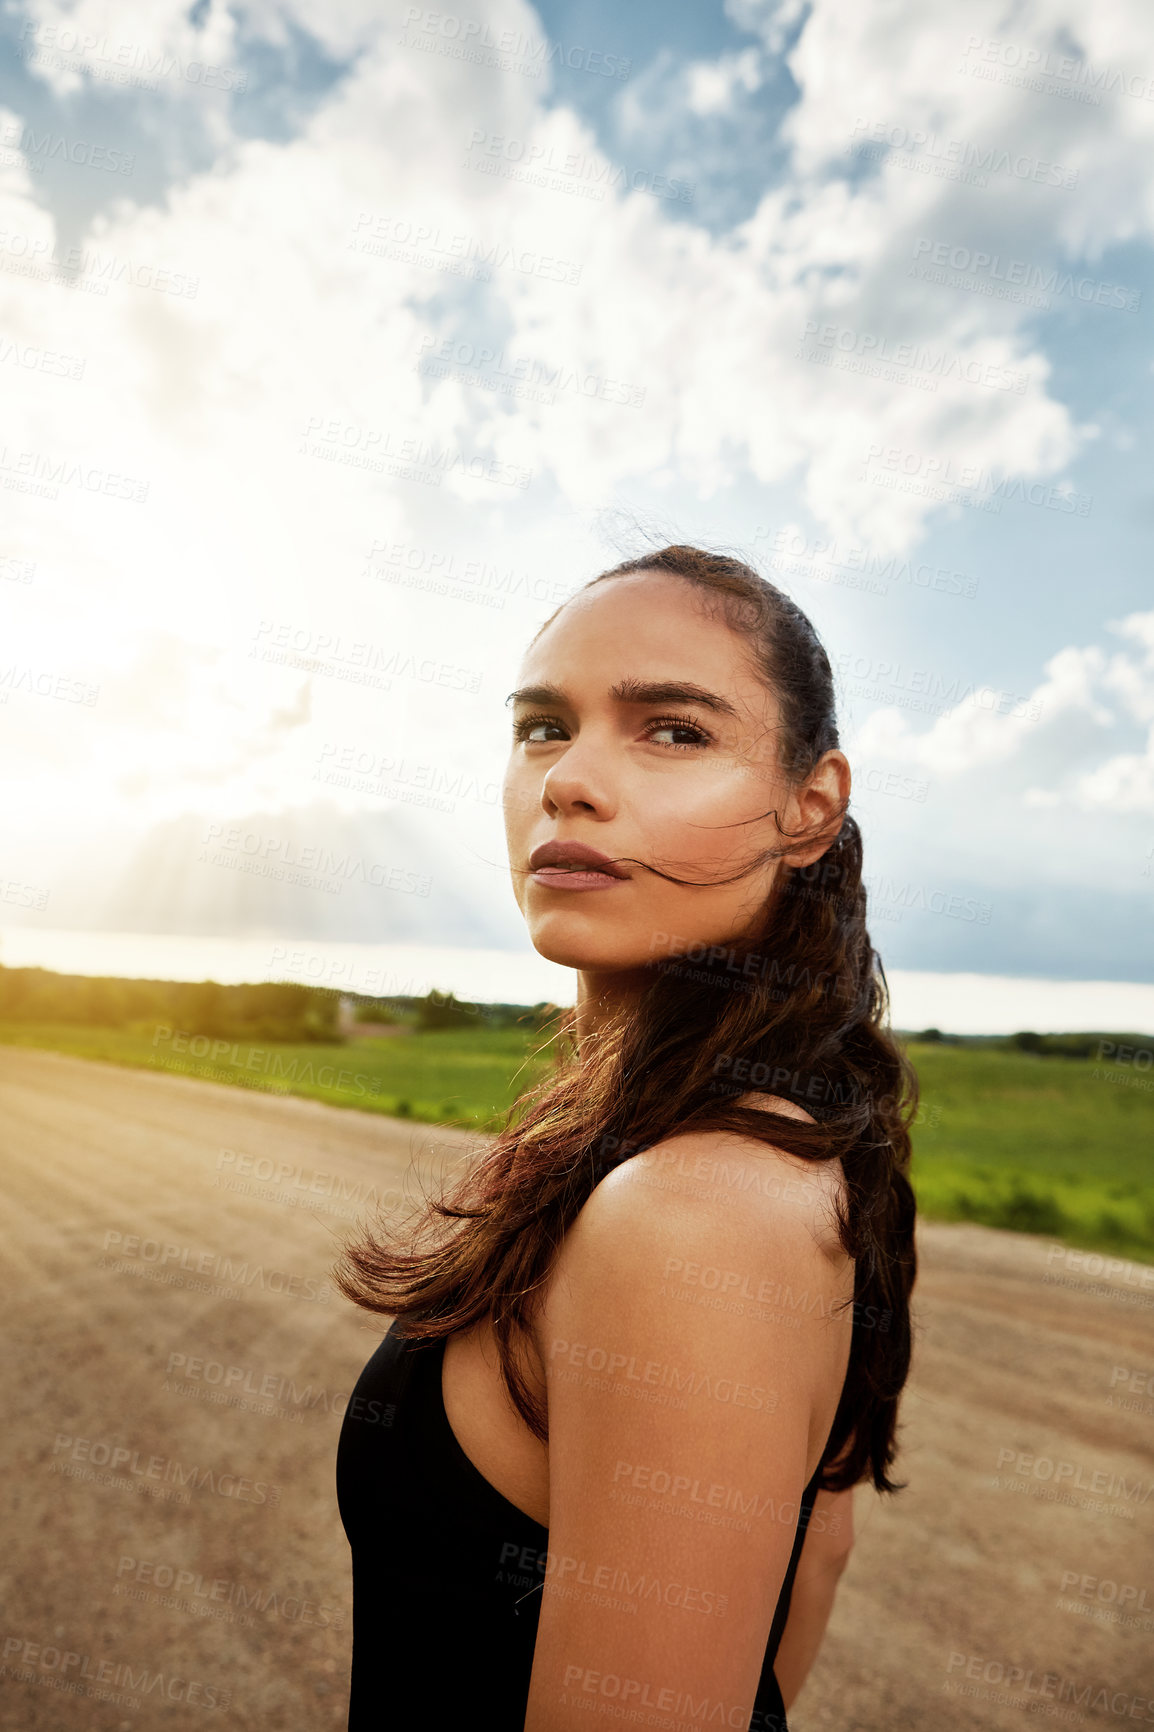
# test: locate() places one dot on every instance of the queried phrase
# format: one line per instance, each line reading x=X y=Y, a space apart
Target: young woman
x=602 y=1463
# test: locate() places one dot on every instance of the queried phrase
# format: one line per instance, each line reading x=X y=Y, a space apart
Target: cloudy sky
x=340 y=343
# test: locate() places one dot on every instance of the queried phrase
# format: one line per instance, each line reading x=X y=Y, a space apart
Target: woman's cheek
x=517 y=802
x=701 y=827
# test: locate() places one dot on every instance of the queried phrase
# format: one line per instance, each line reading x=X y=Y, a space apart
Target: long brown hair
x=807 y=1021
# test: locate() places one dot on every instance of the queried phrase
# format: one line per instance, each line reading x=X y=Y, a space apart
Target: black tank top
x=446 y=1571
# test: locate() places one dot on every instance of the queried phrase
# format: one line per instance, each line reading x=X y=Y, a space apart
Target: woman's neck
x=602 y=995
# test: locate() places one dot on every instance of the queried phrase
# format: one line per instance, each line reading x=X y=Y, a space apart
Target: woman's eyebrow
x=632 y=691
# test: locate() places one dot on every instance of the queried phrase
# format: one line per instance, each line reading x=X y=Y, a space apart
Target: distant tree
x=441 y=1010
x=264 y=1010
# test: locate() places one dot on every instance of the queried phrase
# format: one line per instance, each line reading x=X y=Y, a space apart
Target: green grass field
x=1058 y=1146
x=467 y=1078
x=1043 y=1145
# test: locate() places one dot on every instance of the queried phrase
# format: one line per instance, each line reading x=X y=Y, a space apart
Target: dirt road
x=177 y=1366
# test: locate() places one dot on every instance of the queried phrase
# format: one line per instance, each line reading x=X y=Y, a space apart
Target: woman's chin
x=582 y=950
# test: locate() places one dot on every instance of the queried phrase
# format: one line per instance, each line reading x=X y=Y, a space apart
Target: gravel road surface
x=178 y=1363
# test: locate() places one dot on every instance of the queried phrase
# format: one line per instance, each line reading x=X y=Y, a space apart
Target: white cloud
x=712 y=84
x=69 y=43
x=712 y=333
x=276 y=415
x=1085 y=693
x=772 y=19
x=1133 y=680
x=985 y=80
x=1123 y=784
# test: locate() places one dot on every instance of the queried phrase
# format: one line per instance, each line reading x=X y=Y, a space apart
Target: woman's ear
x=820 y=805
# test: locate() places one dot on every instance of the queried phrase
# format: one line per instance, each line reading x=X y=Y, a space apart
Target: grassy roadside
x=1058 y=1146
x=469 y=1078
x=1063 y=1147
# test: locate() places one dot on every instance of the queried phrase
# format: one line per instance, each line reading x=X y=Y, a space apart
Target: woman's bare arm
x=642 y=1602
x=824 y=1555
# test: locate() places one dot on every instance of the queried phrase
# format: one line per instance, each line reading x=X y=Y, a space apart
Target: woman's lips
x=568 y=878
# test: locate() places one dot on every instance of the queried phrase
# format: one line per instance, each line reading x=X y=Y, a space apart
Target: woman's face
x=684 y=783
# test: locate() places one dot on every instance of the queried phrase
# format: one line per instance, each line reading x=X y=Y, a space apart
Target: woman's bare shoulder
x=722 y=1198
x=690 y=1245
x=744 y=1175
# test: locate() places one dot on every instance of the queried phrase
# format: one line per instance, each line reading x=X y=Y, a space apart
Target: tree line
x=266 y=1010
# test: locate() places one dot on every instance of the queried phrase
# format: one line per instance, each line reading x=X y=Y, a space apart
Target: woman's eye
x=675 y=725
x=528 y=726
x=534 y=731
